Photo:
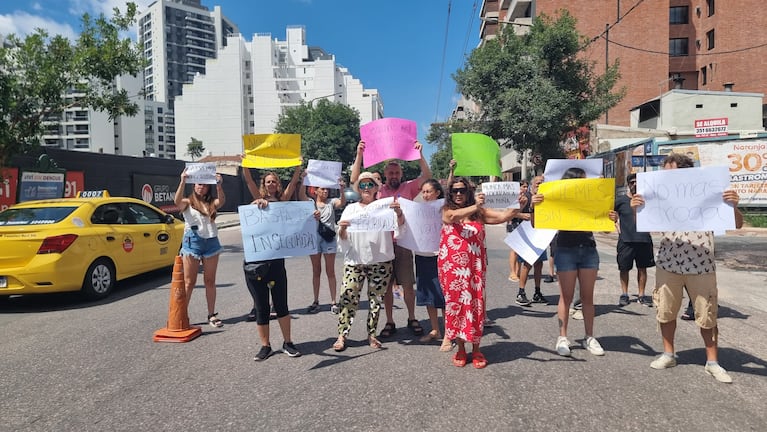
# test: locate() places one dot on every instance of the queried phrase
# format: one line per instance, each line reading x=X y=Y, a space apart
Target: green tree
x=39 y=74
x=536 y=87
x=195 y=149
x=329 y=131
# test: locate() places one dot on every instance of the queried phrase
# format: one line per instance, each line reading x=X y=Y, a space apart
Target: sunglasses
x=632 y=182
x=367 y=185
x=461 y=191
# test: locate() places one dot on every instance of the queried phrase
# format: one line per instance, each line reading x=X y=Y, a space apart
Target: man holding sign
x=404 y=272
x=685 y=259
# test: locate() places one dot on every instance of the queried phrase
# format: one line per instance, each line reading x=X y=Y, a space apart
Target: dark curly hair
x=450 y=204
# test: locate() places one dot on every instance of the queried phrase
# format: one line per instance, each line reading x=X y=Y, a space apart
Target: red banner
x=9 y=183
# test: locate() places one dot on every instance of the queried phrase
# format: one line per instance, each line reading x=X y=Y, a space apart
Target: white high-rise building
x=249 y=84
x=177 y=36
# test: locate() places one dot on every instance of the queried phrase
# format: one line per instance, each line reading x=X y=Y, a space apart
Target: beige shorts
x=404 y=274
x=669 y=292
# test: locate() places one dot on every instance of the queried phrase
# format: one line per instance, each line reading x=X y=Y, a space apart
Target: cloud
x=21 y=24
x=96 y=7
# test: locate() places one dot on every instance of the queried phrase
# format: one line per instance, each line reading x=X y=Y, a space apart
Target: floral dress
x=462 y=263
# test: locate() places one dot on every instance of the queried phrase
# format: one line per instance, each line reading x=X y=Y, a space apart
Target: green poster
x=476 y=155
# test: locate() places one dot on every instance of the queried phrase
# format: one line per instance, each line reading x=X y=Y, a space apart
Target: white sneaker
x=563 y=346
x=719 y=373
x=593 y=346
x=664 y=362
x=576 y=314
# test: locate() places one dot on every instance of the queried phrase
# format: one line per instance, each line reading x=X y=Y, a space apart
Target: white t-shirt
x=365 y=247
x=205 y=227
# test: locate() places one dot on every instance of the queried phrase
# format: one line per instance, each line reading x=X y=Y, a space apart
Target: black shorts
x=630 y=252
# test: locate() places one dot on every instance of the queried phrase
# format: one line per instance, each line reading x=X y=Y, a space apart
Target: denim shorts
x=326 y=247
x=574 y=258
x=199 y=247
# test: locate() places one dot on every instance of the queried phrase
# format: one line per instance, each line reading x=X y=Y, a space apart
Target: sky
x=406 y=49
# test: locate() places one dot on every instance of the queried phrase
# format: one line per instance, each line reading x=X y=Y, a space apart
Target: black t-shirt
x=575 y=239
x=628 y=222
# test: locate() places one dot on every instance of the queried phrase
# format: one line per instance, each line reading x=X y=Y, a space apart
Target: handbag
x=326 y=232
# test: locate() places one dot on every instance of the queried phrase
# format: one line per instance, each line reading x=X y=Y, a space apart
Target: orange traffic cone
x=178 y=328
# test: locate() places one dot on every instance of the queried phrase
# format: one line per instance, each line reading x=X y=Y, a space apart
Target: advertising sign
x=9 y=181
x=74 y=182
x=158 y=190
x=38 y=186
x=711 y=127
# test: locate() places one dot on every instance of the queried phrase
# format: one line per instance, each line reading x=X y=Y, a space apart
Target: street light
x=311 y=101
x=495 y=20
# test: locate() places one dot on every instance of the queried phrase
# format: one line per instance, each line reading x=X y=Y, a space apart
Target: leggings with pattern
x=378 y=276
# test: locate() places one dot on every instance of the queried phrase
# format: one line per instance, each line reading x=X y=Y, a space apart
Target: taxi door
x=152 y=239
x=118 y=238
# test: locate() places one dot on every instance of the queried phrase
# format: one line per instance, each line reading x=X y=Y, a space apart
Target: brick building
x=661 y=44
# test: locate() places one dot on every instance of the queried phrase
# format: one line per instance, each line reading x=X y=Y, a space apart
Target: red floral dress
x=461 y=263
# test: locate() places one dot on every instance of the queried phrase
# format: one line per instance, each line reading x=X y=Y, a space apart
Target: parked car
x=83 y=244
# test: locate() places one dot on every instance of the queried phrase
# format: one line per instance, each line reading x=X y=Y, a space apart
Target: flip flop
x=374 y=343
x=459 y=359
x=447 y=345
x=478 y=360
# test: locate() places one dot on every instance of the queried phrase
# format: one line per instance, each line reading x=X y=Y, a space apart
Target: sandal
x=214 y=321
x=374 y=343
x=340 y=344
x=447 y=345
x=415 y=326
x=252 y=315
x=459 y=359
x=431 y=336
x=388 y=330
x=478 y=360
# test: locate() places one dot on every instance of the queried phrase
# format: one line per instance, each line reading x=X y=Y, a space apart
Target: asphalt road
x=76 y=366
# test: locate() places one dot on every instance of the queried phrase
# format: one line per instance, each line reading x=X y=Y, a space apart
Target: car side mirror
x=169 y=219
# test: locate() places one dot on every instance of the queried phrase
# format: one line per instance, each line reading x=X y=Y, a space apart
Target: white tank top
x=196 y=221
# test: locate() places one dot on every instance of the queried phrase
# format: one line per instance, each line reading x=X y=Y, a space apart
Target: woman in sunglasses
x=462 y=262
x=367 y=255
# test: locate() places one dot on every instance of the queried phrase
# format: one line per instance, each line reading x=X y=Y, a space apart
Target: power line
x=470 y=28
x=609 y=27
x=442 y=66
x=666 y=53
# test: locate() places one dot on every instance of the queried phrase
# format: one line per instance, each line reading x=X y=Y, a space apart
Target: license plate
x=3 y=282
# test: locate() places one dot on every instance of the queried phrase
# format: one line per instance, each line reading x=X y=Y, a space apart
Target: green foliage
x=756 y=220
x=195 y=149
x=329 y=131
x=535 y=88
x=39 y=71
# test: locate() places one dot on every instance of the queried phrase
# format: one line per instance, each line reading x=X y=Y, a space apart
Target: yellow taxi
x=86 y=243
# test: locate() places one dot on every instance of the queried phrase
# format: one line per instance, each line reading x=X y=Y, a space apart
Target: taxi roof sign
x=93 y=194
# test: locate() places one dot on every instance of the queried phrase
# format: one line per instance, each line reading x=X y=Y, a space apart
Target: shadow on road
x=731 y=359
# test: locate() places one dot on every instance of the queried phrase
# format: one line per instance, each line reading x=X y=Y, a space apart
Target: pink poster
x=389 y=138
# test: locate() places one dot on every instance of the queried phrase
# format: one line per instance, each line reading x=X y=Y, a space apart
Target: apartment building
x=249 y=84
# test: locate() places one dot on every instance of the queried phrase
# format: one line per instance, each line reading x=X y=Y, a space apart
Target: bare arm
x=492 y=217
x=425 y=170
x=357 y=165
x=220 y=196
x=732 y=198
x=179 y=199
x=342 y=200
x=457 y=215
x=301 y=188
x=288 y=194
x=252 y=186
x=452 y=168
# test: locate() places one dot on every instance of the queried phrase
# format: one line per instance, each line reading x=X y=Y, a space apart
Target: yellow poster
x=271 y=150
x=576 y=205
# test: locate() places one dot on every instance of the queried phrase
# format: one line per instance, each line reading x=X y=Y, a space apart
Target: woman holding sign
x=200 y=241
x=367 y=255
x=462 y=263
x=577 y=259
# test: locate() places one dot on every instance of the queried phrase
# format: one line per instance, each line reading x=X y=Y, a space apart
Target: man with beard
x=632 y=246
x=404 y=273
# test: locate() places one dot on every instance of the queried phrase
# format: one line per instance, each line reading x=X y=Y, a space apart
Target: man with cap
x=633 y=247
x=404 y=272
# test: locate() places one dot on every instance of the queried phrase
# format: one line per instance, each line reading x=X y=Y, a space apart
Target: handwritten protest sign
x=688 y=199
x=476 y=155
x=555 y=168
x=576 y=205
x=281 y=230
x=200 y=173
x=324 y=174
x=389 y=138
x=271 y=150
x=529 y=242
x=423 y=224
x=501 y=195
x=376 y=216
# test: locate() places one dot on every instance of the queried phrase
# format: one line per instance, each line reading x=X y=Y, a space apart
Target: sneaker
x=548 y=279
x=576 y=314
x=624 y=300
x=272 y=313
x=664 y=362
x=718 y=372
x=522 y=300
x=263 y=353
x=563 y=346
x=539 y=298
x=645 y=301
x=214 y=321
x=689 y=314
x=313 y=308
x=593 y=346
x=334 y=309
x=290 y=349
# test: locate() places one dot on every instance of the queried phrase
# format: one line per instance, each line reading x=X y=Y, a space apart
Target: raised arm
x=341 y=202
x=220 y=196
x=250 y=183
x=291 y=189
x=357 y=165
x=732 y=198
x=179 y=199
x=425 y=170
x=452 y=168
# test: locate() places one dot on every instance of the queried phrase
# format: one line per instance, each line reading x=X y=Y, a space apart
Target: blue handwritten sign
x=281 y=230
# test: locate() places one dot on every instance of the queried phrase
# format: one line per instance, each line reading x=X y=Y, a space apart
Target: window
x=678 y=47
x=703 y=75
x=711 y=7
x=679 y=15
x=710 y=39
x=159 y=110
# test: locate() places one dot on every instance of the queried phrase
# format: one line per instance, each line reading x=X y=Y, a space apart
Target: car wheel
x=99 y=280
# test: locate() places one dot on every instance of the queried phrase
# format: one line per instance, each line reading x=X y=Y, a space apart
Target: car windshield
x=34 y=216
